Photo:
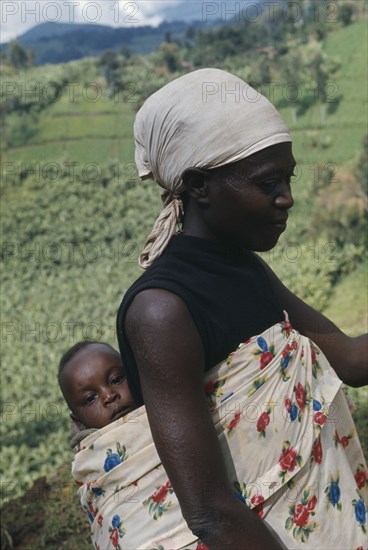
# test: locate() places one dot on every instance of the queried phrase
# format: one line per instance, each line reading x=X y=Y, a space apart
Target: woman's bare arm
x=170 y=360
x=348 y=356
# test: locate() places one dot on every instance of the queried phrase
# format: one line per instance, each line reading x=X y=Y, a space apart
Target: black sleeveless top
x=226 y=290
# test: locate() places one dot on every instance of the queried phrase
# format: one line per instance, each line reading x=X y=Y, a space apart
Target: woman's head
x=245 y=203
x=205 y=119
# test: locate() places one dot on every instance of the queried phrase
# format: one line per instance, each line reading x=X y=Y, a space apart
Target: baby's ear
x=195 y=183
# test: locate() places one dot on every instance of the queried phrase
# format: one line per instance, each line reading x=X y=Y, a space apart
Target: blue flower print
x=262 y=343
x=97 y=490
x=240 y=497
x=293 y=412
x=334 y=493
x=116 y=521
x=111 y=461
x=316 y=405
x=90 y=517
x=360 y=512
x=286 y=360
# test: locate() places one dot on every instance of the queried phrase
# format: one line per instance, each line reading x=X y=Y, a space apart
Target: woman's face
x=248 y=201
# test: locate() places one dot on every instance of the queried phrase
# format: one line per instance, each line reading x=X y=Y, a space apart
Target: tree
x=361 y=170
x=190 y=33
x=321 y=69
x=345 y=14
x=292 y=75
x=18 y=56
x=169 y=54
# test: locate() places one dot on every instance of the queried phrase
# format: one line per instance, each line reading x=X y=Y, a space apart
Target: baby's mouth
x=120 y=411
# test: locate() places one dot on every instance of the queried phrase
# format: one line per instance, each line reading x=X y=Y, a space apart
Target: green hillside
x=75 y=216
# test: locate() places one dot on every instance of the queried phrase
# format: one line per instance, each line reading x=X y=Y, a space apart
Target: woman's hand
x=348 y=356
x=170 y=359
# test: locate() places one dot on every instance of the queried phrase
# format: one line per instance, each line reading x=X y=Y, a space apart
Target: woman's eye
x=117 y=379
x=292 y=175
x=269 y=185
x=90 y=399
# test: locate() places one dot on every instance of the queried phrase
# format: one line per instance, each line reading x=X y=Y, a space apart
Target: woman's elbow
x=202 y=522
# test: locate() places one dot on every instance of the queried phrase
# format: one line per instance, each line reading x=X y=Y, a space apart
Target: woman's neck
x=194 y=225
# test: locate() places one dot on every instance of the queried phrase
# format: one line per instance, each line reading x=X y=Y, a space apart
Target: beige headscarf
x=204 y=119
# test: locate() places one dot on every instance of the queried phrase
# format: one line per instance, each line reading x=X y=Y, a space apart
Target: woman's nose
x=284 y=199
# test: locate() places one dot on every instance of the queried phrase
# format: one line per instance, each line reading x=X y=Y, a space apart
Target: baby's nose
x=110 y=396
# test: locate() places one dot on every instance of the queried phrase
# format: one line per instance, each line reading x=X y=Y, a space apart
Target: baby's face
x=95 y=388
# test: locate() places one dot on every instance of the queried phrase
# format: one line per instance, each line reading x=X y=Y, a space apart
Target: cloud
x=18 y=16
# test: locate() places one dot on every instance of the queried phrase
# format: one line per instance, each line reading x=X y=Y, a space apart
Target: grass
x=348 y=306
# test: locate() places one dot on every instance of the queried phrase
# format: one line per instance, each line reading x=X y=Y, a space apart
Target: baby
x=92 y=381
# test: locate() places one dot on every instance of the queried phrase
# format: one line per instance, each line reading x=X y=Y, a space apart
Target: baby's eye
x=90 y=399
x=118 y=379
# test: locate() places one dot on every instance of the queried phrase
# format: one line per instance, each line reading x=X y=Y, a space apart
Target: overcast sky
x=18 y=16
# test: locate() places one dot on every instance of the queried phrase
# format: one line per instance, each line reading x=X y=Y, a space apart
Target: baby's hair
x=69 y=354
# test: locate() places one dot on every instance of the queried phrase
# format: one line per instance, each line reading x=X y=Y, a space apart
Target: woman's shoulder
x=155 y=306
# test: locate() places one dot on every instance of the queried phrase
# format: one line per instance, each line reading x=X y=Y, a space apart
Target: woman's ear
x=196 y=184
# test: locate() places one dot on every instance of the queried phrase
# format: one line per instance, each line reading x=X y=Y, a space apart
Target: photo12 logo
x=126 y=13
x=252 y=12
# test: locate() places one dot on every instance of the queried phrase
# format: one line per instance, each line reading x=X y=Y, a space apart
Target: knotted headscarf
x=204 y=119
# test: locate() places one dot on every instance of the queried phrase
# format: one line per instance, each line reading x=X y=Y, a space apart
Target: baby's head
x=92 y=380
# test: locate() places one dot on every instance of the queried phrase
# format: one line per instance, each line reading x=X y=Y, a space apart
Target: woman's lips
x=278 y=226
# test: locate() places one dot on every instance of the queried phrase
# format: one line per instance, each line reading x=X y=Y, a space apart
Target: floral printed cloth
x=288 y=440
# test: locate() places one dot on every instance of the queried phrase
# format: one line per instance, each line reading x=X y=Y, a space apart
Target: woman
x=224 y=158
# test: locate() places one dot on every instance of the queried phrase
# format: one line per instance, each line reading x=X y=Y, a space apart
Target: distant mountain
x=61 y=42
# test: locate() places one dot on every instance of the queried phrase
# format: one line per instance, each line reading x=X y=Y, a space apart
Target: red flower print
x=92 y=510
x=286 y=327
x=114 y=537
x=160 y=495
x=313 y=355
x=263 y=422
x=344 y=441
x=312 y=503
x=301 y=515
x=360 y=548
x=319 y=418
x=317 y=452
x=235 y=421
x=361 y=477
x=288 y=459
x=266 y=357
x=201 y=546
x=300 y=396
x=288 y=404
x=257 y=501
x=99 y=520
x=210 y=386
x=288 y=348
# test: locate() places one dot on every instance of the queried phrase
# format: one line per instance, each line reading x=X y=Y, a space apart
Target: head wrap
x=204 y=119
